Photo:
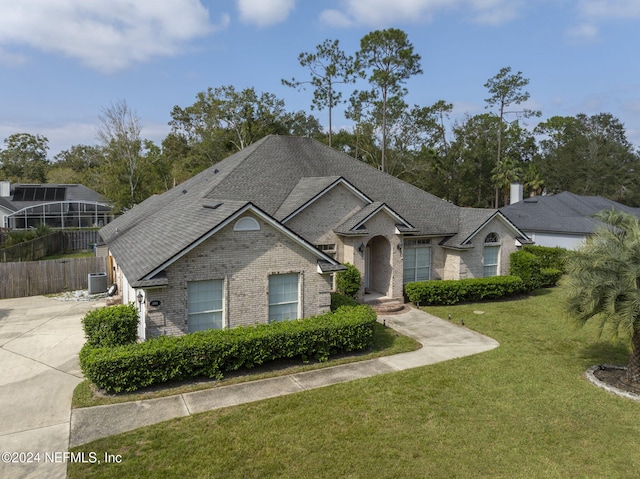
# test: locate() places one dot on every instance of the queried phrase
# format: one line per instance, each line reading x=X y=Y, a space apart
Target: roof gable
x=474 y=220
x=322 y=257
x=309 y=190
x=355 y=225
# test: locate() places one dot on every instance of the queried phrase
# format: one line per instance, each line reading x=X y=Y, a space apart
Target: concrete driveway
x=39 y=342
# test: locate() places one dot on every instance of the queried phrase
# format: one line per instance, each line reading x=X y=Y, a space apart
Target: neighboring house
x=563 y=220
x=256 y=238
x=6 y=208
x=25 y=206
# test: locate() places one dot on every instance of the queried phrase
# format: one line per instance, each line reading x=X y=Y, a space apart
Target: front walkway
x=441 y=340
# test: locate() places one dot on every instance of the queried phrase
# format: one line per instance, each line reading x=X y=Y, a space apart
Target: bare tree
x=119 y=134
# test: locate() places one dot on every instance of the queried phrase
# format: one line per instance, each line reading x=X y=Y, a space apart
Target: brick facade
x=318 y=220
x=462 y=264
x=243 y=260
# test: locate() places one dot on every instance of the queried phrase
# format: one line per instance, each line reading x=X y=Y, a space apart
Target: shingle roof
x=306 y=190
x=562 y=213
x=69 y=192
x=5 y=203
x=273 y=174
x=269 y=170
x=469 y=220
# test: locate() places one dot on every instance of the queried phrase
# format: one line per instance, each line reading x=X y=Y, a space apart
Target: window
x=492 y=238
x=328 y=249
x=204 y=305
x=283 y=297
x=246 y=223
x=491 y=254
x=416 y=261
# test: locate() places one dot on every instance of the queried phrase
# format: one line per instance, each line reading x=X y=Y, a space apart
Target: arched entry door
x=378 y=268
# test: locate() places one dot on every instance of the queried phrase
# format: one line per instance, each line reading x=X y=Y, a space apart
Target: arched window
x=246 y=223
x=492 y=238
x=491 y=256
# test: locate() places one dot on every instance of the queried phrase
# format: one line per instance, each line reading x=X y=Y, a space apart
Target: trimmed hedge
x=436 y=292
x=111 y=326
x=338 y=300
x=214 y=352
x=550 y=258
x=526 y=266
x=538 y=266
x=550 y=277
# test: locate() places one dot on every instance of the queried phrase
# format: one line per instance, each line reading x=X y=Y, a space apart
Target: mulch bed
x=615 y=377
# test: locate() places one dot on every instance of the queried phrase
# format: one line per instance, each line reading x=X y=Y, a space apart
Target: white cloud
x=495 y=12
x=381 y=12
x=594 y=13
x=106 y=36
x=265 y=12
x=81 y=131
x=11 y=59
x=60 y=136
x=335 y=18
x=601 y=9
x=584 y=33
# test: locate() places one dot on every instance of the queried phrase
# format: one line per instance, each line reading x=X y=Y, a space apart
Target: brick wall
x=470 y=263
x=317 y=222
x=385 y=275
x=244 y=260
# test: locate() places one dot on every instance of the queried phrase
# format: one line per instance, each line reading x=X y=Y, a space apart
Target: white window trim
x=495 y=265
x=246 y=223
x=221 y=310
x=298 y=301
x=330 y=249
x=416 y=245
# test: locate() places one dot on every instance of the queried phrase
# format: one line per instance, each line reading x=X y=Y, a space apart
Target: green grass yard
x=522 y=410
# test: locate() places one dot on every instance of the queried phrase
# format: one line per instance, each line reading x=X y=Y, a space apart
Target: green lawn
x=522 y=410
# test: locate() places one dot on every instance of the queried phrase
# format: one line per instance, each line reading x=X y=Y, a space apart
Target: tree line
x=470 y=161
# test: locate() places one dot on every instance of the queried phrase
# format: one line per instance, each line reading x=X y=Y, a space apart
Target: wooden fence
x=32 y=278
x=59 y=242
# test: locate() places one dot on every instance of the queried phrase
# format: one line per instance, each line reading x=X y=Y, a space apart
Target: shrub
x=214 y=352
x=550 y=258
x=338 y=300
x=348 y=282
x=528 y=267
x=111 y=326
x=550 y=277
x=538 y=266
x=448 y=292
x=23 y=236
x=20 y=236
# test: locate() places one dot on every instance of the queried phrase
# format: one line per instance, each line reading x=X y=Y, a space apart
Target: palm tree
x=505 y=172
x=603 y=282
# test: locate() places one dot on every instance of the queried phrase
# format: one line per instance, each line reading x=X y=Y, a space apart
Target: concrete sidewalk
x=441 y=340
x=39 y=343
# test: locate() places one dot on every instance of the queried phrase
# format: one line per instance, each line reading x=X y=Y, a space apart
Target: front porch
x=383 y=304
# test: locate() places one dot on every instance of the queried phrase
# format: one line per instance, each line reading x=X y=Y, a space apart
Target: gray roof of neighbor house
x=6 y=204
x=277 y=175
x=25 y=195
x=562 y=213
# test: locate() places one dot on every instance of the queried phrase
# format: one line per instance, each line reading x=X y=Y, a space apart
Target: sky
x=62 y=62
